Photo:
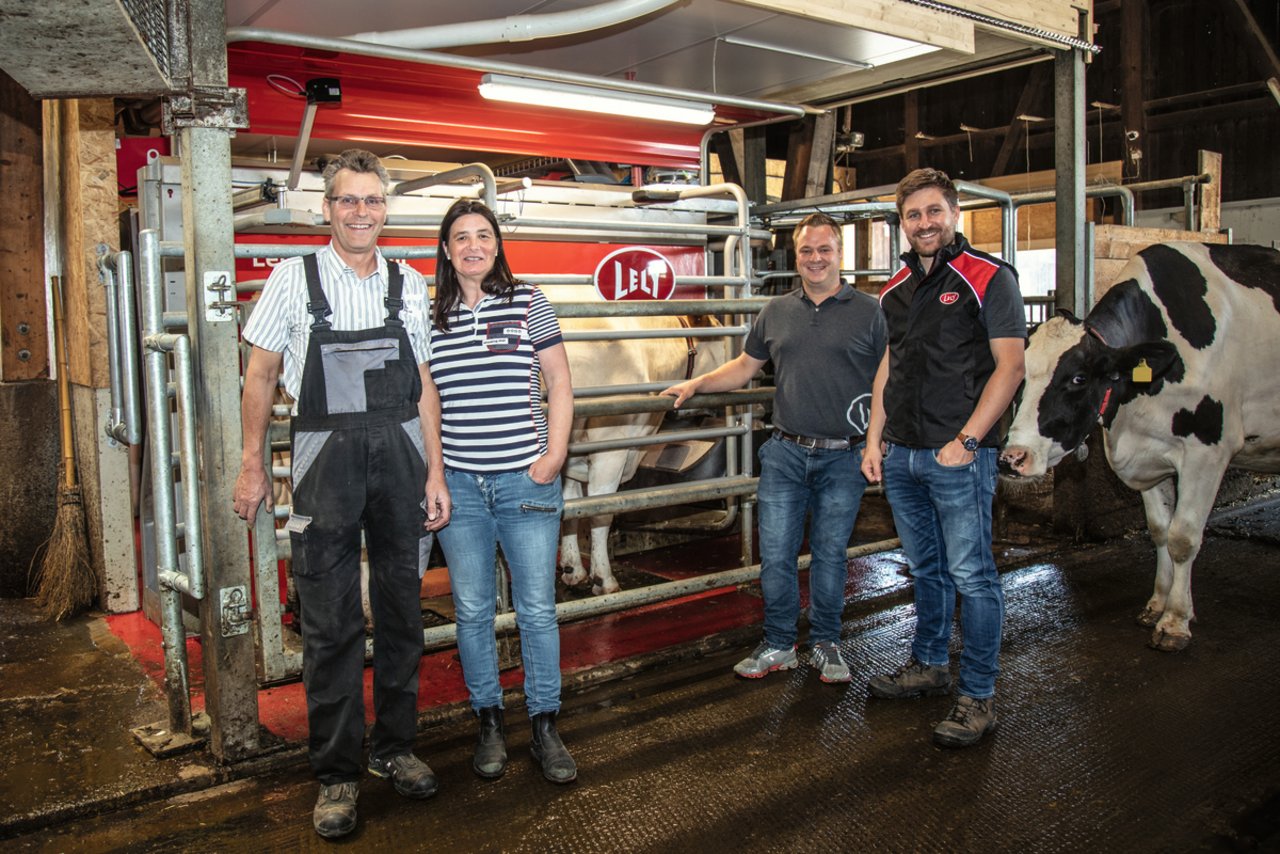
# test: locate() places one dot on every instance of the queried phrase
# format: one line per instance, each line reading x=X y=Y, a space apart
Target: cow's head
x=1073 y=382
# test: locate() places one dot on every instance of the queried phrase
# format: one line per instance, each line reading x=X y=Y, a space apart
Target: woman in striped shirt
x=494 y=342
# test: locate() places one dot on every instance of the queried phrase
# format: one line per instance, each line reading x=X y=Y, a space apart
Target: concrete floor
x=1104 y=744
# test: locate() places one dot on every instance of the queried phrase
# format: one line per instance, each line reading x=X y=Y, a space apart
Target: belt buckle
x=807 y=442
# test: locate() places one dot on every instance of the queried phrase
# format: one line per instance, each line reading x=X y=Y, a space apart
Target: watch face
x=971 y=444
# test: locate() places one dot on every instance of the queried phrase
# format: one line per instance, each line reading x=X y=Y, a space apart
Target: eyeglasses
x=373 y=203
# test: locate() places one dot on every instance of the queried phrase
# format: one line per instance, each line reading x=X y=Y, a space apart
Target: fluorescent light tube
x=567 y=96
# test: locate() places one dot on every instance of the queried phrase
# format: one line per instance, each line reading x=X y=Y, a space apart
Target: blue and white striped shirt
x=280 y=323
x=487 y=370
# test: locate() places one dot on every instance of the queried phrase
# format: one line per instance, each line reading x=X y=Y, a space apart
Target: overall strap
x=317 y=305
x=395 y=287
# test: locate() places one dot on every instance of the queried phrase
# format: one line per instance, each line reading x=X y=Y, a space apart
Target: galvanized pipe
x=1008 y=223
x=517 y=28
x=129 y=349
x=174 y=249
x=441 y=636
x=116 y=271
x=107 y=275
x=660 y=308
x=1125 y=194
x=628 y=403
x=469 y=170
x=191 y=582
x=673 y=332
x=176 y=682
x=581 y=448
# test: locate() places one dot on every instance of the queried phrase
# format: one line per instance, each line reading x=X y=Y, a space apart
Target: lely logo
x=948 y=298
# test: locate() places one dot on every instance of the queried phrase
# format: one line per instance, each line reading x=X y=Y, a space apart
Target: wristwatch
x=969 y=443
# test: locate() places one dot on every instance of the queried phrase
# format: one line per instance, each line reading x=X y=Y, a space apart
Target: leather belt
x=812 y=442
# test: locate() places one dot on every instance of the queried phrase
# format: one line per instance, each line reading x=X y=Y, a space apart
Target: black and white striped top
x=487 y=370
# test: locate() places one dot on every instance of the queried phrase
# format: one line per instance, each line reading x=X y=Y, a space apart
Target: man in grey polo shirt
x=825 y=340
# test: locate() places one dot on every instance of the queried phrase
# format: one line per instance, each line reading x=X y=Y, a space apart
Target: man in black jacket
x=953 y=363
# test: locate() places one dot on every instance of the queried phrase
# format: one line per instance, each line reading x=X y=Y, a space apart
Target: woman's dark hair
x=499 y=283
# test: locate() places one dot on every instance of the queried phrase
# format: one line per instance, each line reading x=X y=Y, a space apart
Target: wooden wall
x=24 y=342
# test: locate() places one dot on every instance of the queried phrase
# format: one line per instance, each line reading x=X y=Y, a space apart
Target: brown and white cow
x=604 y=363
x=1180 y=364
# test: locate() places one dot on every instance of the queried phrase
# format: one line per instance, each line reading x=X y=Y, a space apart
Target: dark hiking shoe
x=412 y=777
x=968 y=721
x=912 y=679
x=335 y=812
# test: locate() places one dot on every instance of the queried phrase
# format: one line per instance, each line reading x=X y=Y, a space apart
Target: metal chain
x=1001 y=24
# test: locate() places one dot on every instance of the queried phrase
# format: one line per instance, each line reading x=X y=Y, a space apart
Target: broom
x=65 y=581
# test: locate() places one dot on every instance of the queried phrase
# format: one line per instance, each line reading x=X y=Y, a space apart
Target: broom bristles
x=65 y=581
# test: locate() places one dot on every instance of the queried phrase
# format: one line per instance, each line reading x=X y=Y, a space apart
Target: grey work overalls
x=358 y=464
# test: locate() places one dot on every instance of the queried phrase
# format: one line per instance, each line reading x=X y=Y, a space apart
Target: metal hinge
x=205 y=108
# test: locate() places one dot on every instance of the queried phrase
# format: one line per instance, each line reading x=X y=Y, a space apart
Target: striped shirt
x=281 y=323
x=487 y=370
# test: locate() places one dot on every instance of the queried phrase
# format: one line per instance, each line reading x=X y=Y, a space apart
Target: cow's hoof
x=599 y=588
x=1148 y=618
x=573 y=579
x=1165 y=642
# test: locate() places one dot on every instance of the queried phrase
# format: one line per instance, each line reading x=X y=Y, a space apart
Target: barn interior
x=162 y=157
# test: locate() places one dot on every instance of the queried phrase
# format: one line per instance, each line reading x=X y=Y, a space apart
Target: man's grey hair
x=357 y=160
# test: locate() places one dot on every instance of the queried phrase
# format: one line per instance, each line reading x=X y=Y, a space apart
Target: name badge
x=503 y=337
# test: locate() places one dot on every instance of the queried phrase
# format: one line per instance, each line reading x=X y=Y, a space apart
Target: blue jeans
x=510 y=509
x=794 y=482
x=943 y=516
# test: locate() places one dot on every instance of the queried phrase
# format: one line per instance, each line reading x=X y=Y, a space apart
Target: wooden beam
x=754 y=171
x=1133 y=83
x=1037 y=81
x=1210 y=194
x=24 y=354
x=809 y=157
x=727 y=148
x=889 y=17
x=911 y=127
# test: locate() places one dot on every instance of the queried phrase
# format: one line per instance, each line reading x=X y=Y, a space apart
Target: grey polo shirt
x=824 y=360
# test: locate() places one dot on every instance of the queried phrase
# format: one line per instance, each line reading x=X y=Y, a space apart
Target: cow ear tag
x=1142 y=372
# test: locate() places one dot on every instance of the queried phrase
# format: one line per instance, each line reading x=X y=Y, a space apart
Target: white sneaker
x=825 y=658
x=766 y=659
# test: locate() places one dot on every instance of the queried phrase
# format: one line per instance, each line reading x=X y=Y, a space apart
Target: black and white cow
x=1180 y=363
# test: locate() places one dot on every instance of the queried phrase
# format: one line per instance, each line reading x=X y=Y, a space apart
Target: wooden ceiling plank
x=889 y=17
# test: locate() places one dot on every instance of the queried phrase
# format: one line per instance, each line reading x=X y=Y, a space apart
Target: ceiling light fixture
x=568 y=96
x=820 y=57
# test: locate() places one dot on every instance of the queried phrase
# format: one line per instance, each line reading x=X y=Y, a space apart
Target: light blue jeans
x=943 y=516
x=510 y=509
x=795 y=482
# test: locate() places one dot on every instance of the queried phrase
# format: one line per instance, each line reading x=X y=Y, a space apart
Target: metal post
x=230 y=674
x=1069 y=150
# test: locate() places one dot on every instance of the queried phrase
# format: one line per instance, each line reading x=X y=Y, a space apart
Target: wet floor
x=1104 y=745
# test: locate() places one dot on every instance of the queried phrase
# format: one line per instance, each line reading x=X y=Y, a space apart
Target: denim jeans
x=943 y=516
x=510 y=509
x=795 y=482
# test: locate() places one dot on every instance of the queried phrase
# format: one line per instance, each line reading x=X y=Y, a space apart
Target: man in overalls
x=349 y=330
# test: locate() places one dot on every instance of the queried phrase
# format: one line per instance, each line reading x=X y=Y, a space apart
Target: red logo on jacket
x=948 y=298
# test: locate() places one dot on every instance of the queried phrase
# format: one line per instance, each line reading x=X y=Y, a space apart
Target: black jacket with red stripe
x=940 y=326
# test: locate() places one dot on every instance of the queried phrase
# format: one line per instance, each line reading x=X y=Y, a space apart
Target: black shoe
x=491 y=747
x=412 y=777
x=335 y=812
x=549 y=751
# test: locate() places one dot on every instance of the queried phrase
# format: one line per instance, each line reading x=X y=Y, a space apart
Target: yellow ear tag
x=1142 y=372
